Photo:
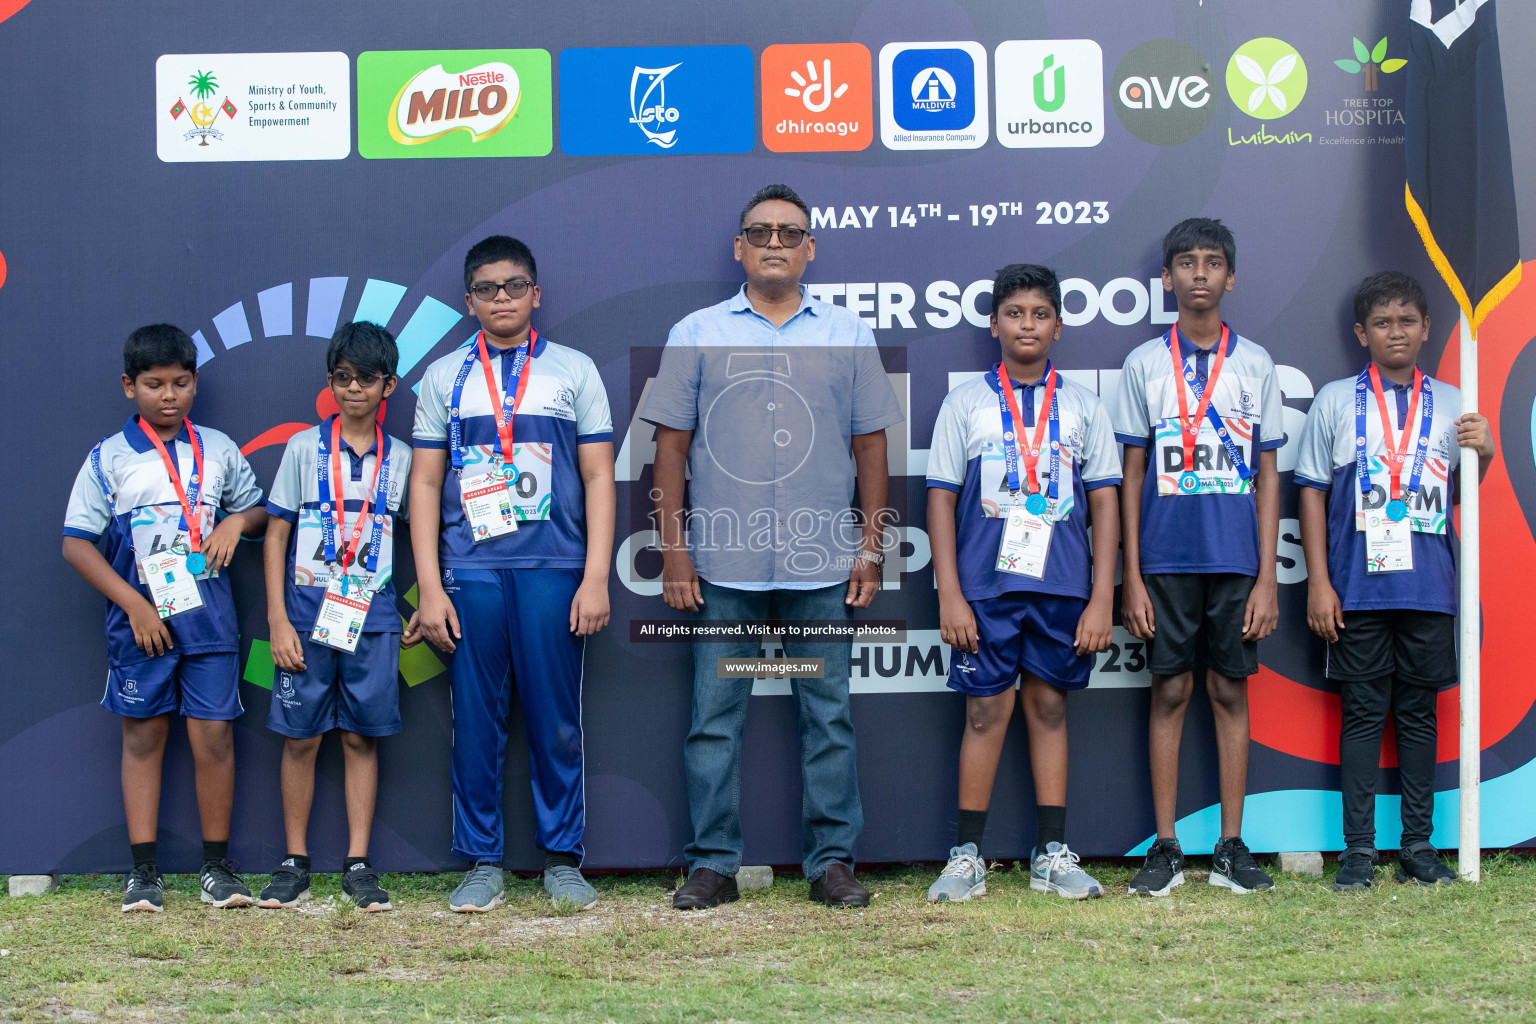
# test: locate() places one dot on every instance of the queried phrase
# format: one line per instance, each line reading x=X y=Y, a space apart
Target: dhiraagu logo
x=1266 y=78
x=445 y=103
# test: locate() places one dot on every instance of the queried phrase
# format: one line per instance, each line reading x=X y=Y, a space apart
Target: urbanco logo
x=1050 y=93
x=1162 y=92
x=933 y=95
x=817 y=98
x=454 y=103
x=1266 y=78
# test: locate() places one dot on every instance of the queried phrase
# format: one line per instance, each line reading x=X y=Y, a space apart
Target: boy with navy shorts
x=1378 y=454
x=331 y=614
x=514 y=465
x=1018 y=474
x=153 y=520
x=1198 y=411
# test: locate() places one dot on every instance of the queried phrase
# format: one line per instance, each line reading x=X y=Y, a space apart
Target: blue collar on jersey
x=1188 y=348
x=139 y=441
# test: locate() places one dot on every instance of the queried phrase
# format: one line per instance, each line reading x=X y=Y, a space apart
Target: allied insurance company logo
x=656 y=99
x=933 y=95
x=454 y=103
x=1050 y=93
x=1162 y=92
x=817 y=98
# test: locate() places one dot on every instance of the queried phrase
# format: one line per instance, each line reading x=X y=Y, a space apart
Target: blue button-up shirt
x=773 y=411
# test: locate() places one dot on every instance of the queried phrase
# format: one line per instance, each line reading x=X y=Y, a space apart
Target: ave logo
x=1050 y=93
x=817 y=98
x=1163 y=92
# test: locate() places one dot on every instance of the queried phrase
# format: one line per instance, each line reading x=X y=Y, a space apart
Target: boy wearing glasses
x=512 y=514
x=335 y=632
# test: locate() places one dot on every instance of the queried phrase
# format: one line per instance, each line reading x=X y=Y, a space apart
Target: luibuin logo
x=1058 y=91
x=1266 y=78
x=650 y=107
x=1371 y=61
x=203 y=85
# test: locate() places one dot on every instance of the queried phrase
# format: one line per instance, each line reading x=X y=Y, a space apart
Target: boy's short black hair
x=158 y=345
x=1385 y=288
x=495 y=249
x=771 y=192
x=1199 y=233
x=366 y=345
x=1023 y=277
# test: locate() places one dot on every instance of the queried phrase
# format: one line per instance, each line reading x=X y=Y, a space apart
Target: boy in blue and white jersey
x=514 y=461
x=1377 y=457
x=331 y=612
x=1198 y=411
x=1017 y=476
x=144 y=527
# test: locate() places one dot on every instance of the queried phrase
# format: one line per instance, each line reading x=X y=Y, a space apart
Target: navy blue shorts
x=1022 y=632
x=358 y=692
x=205 y=686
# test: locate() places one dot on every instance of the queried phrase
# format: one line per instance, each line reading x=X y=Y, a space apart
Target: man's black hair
x=495 y=249
x=158 y=345
x=1199 y=233
x=366 y=345
x=1385 y=288
x=1021 y=277
x=771 y=192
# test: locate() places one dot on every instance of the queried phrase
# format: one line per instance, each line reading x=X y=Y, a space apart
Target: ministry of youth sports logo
x=648 y=108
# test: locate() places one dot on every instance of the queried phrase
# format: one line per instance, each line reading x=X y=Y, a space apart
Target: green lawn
x=1300 y=953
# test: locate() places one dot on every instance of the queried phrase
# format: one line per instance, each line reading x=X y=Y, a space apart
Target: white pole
x=1469 y=854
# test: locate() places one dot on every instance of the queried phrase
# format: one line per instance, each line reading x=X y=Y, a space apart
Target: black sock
x=145 y=853
x=1052 y=824
x=215 y=851
x=553 y=859
x=348 y=863
x=973 y=825
x=300 y=860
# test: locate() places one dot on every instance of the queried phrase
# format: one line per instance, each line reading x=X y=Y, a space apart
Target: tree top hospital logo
x=1162 y=92
x=817 y=98
x=1050 y=93
x=454 y=103
x=657 y=99
x=1266 y=78
x=933 y=95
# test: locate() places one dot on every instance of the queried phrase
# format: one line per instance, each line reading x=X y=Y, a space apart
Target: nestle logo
x=481 y=78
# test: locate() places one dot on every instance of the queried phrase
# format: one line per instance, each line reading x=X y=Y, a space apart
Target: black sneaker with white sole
x=222 y=887
x=1163 y=869
x=288 y=888
x=144 y=889
x=361 y=883
x=1233 y=867
x=1423 y=866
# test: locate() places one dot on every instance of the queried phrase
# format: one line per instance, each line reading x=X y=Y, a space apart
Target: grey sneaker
x=564 y=882
x=480 y=891
x=1056 y=871
x=963 y=877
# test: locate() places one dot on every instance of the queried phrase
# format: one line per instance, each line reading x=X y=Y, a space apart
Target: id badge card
x=487 y=505
x=1026 y=543
x=1388 y=545
x=172 y=586
x=342 y=612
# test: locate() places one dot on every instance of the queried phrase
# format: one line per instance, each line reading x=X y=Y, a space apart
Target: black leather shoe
x=838 y=888
x=705 y=889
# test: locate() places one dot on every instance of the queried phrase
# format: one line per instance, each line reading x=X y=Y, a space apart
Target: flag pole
x=1469 y=854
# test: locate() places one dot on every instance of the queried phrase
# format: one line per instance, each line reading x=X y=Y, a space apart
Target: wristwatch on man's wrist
x=872 y=557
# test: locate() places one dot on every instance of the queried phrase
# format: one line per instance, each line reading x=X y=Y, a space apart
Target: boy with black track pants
x=1378 y=453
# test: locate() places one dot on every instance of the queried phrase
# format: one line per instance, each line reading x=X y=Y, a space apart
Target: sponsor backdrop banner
x=242 y=175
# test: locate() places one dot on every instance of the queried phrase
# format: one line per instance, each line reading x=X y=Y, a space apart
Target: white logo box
x=1074 y=77
x=970 y=136
x=287 y=106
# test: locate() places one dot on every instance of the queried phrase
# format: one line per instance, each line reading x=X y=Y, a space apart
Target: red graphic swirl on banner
x=1304 y=722
x=10 y=7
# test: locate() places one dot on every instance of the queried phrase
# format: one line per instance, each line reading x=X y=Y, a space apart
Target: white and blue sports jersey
x=296 y=498
x=966 y=456
x=1327 y=462
x=1204 y=532
x=131 y=504
x=564 y=405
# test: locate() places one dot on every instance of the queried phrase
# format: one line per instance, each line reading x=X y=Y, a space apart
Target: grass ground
x=1302 y=952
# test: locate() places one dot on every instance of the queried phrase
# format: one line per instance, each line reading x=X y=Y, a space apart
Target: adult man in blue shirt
x=763 y=397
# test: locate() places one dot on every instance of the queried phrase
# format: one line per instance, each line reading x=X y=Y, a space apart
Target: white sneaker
x=963 y=877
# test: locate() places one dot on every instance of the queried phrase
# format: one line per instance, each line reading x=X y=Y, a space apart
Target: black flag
x=1461 y=186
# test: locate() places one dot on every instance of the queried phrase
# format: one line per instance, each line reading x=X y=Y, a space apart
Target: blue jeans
x=833 y=815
